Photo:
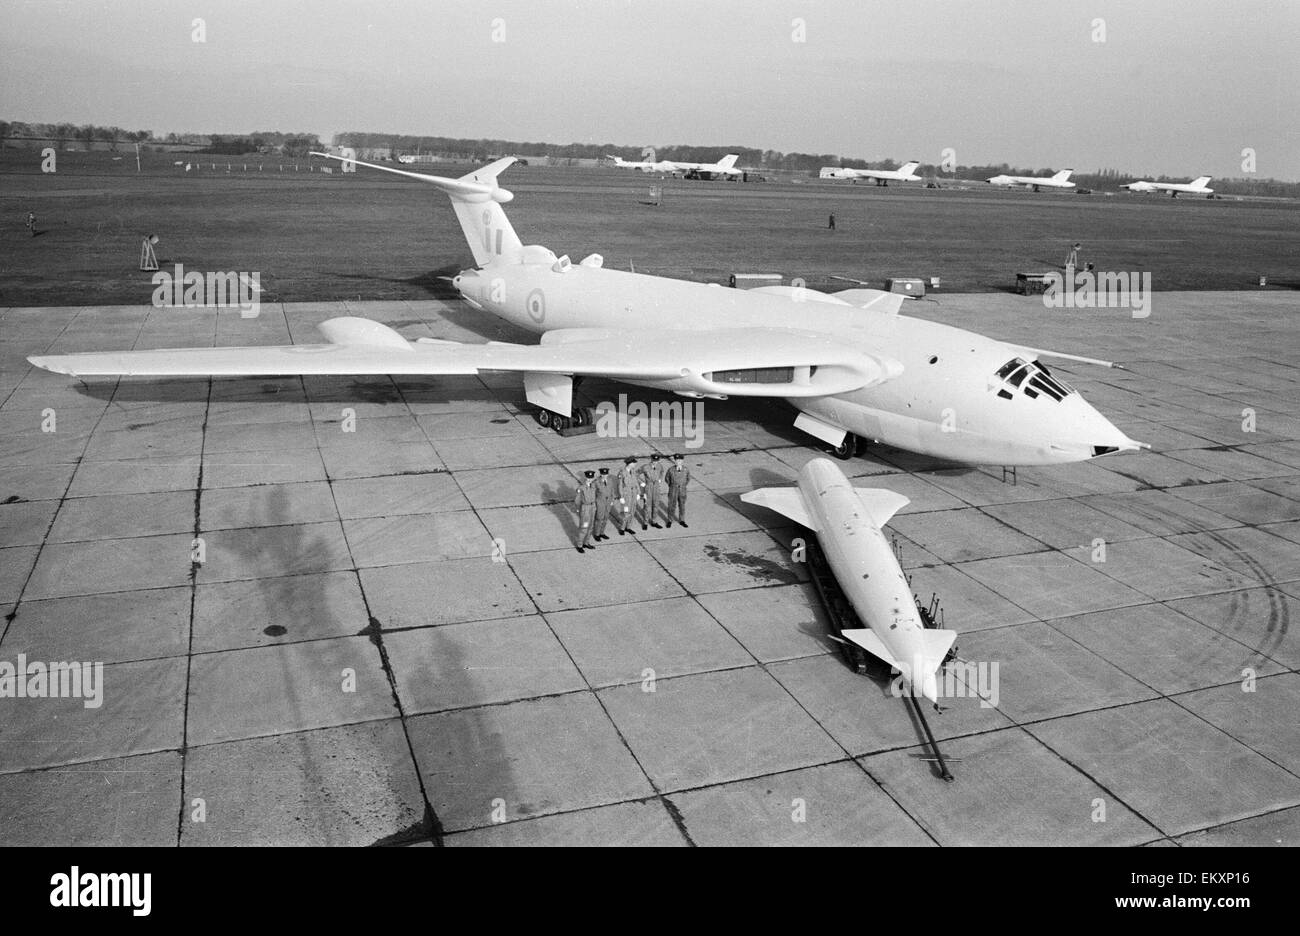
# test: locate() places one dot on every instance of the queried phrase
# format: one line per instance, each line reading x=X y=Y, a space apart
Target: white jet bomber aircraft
x=904 y=173
x=1198 y=186
x=724 y=167
x=853 y=367
x=1059 y=180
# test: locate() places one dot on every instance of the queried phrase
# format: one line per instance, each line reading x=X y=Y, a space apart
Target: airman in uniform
x=604 y=496
x=585 y=504
x=678 y=477
x=652 y=479
x=627 y=490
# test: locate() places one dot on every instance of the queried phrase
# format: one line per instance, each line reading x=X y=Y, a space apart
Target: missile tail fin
x=919 y=672
x=881 y=504
x=866 y=638
x=786 y=501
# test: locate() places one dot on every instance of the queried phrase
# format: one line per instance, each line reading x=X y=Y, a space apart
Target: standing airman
x=652 y=478
x=678 y=477
x=585 y=504
x=604 y=495
x=627 y=490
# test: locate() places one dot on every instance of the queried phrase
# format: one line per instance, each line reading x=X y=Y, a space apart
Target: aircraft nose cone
x=1089 y=433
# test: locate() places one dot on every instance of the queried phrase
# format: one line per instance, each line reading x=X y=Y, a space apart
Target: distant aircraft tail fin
x=477 y=199
x=726 y=162
x=908 y=168
x=1062 y=176
x=1201 y=181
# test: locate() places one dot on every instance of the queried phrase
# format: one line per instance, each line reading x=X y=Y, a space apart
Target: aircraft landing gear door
x=551 y=393
x=843 y=444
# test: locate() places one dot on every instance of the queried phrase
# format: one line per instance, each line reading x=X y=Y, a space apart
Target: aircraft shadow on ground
x=436 y=282
x=440 y=661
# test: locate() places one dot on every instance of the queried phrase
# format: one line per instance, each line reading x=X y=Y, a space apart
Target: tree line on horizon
x=264 y=142
x=274 y=142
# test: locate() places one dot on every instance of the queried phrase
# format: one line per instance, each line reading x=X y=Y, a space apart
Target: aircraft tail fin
x=477 y=199
x=1201 y=181
x=726 y=162
x=1062 y=176
x=909 y=168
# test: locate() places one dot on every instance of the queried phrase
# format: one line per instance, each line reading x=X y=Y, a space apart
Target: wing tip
x=48 y=364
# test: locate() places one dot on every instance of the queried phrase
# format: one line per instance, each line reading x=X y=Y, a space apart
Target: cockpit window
x=1040 y=380
x=1065 y=387
x=1009 y=367
x=1039 y=383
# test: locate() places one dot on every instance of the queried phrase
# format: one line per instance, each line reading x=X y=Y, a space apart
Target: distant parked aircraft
x=648 y=164
x=1197 y=186
x=905 y=173
x=724 y=167
x=1060 y=180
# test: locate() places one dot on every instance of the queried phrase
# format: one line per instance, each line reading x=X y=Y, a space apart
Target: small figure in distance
x=31 y=223
x=832 y=223
x=1072 y=258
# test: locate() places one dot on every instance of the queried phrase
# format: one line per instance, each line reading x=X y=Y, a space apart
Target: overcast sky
x=1178 y=87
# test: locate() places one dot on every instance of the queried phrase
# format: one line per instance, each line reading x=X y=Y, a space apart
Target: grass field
x=369 y=236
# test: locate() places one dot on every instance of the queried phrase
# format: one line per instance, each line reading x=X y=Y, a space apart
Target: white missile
x=847 y=521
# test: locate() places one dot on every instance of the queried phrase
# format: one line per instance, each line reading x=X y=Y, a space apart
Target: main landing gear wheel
x=847 y=448
x=582 y=416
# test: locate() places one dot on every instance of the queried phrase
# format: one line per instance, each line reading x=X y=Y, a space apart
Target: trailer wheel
x=847 y=447
x=559 y=423
x=543 y=417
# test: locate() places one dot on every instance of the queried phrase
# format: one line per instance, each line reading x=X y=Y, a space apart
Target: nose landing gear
x=849 y=446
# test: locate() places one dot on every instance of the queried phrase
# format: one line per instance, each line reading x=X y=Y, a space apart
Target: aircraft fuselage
x=946 y=402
